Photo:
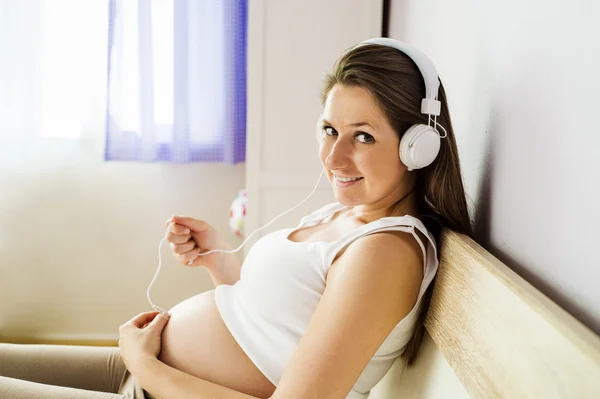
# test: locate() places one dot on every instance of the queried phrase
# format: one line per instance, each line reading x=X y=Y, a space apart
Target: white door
x=291 y=45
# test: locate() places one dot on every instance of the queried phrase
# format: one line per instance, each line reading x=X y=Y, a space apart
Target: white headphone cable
x=437 y=124
x=161 y=310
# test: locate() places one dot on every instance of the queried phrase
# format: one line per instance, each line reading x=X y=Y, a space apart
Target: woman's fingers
x=180 y=249
x=195 y=225
x=178 y=239
x=187 y=256
x=172 y=219
x=142 y=319
x=178 y=229
x=178 y=234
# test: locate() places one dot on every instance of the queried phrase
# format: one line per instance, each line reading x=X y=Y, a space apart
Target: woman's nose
x=338 y=156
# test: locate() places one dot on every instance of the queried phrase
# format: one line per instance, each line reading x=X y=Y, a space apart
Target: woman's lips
x=342 y=184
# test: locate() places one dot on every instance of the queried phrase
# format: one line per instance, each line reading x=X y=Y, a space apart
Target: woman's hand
x=140 y=339
x=189 y=237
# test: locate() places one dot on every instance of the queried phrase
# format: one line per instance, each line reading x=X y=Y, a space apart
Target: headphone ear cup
x=419 y=146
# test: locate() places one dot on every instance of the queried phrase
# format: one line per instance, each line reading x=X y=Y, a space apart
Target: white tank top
x=281 y=282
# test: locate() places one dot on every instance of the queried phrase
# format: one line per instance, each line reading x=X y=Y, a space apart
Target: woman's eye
x=366 y=138
x=363 y=137
x=328 y=130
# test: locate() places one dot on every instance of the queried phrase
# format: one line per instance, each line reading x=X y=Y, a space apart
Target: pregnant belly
x=197 y=341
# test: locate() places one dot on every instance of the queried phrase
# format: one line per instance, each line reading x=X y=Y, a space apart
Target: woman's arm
x=140 y=342
x=224 y=268
x=227 y=269
x=165 y=382
x=370 y=288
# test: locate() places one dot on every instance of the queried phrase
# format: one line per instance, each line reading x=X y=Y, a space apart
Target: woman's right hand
x=188 y=237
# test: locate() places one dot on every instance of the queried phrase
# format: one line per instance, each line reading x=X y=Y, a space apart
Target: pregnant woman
x=320 y=310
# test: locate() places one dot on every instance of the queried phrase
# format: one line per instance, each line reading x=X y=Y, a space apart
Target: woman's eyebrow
x=356 y=124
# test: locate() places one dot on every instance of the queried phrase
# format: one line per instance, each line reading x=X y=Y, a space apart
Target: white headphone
x=420 y=144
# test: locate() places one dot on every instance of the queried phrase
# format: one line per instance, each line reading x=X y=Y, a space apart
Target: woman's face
x=356 y=141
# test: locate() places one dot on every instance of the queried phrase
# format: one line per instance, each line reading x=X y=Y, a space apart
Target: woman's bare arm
x=227 y=269
x=187 y=235
x=166 y=382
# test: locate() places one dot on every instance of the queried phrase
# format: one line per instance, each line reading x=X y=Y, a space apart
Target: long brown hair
x=397 y=85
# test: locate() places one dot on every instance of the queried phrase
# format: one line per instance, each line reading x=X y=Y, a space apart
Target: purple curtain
x=176 y=81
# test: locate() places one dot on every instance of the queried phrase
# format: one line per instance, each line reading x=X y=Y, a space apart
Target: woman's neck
x=407 y=205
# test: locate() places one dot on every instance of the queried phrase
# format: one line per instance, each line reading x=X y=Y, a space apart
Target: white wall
x=522 y=81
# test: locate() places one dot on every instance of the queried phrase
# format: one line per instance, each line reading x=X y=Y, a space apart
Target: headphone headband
x=429 y=105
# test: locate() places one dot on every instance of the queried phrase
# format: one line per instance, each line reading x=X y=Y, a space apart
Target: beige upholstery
x=491 y=334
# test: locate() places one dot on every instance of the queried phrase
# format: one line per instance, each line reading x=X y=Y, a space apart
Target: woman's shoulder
x=393 y=235
x=383 y=251
x=413 y=223
x=401 y=236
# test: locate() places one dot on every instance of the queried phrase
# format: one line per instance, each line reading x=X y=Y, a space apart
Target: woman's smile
x=343 y=182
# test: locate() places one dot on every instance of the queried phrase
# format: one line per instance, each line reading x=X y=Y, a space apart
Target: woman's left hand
x=140 y=339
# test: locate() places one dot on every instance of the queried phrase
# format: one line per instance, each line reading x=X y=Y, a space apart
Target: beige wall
x=521 y=77
x=79 y=237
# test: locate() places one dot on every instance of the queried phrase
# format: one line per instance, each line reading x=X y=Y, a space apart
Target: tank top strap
x=408 y=224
